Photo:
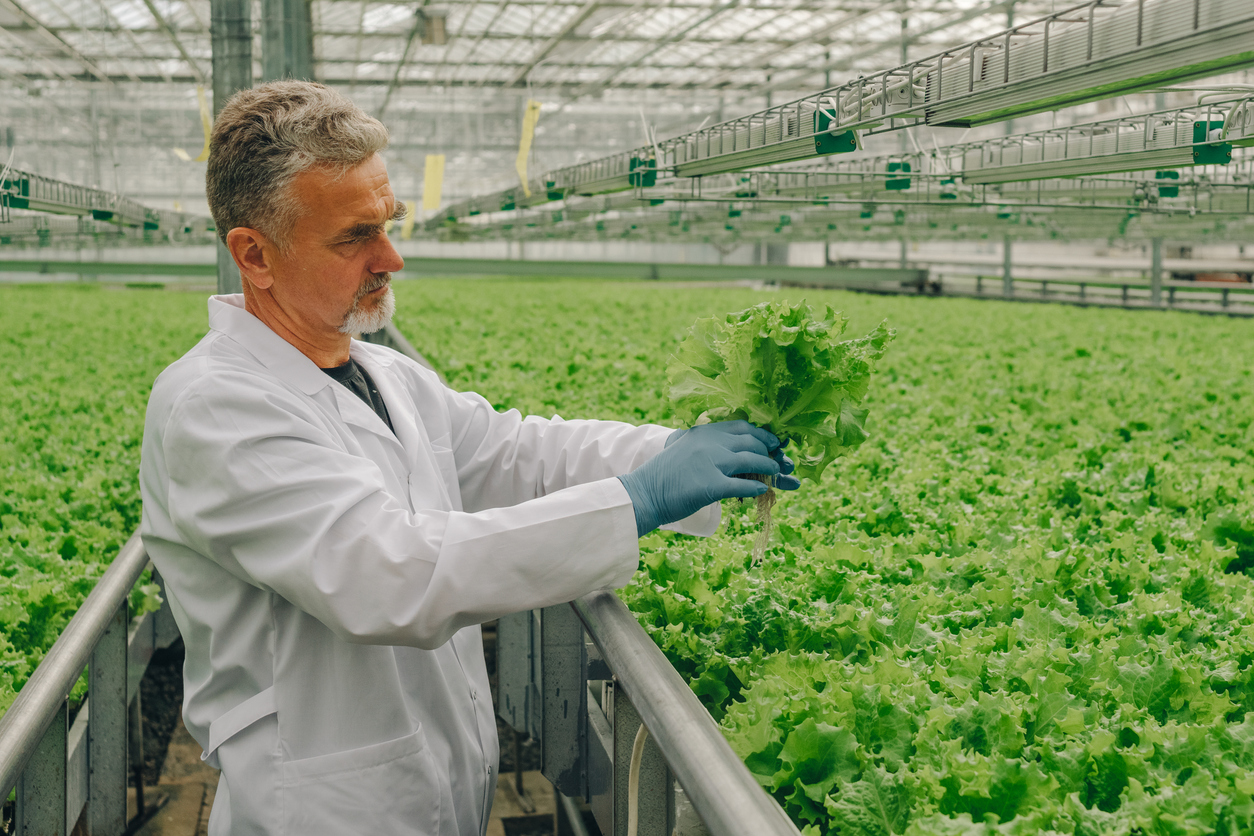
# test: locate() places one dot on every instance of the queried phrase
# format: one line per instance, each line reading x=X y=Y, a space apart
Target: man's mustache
x=379 y=280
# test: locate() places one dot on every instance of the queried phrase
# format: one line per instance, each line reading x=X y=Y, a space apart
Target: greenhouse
x=627 y=417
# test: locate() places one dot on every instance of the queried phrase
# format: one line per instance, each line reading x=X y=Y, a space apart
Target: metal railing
x=581 y=679
x=65 y=772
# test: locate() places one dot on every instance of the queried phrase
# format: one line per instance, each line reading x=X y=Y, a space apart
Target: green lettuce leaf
x=782 y=367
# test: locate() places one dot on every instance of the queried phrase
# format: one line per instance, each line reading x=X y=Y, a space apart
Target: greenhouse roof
x=581 y=47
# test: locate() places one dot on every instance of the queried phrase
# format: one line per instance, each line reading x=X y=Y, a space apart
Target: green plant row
x=1024 y=605
x=76 y=364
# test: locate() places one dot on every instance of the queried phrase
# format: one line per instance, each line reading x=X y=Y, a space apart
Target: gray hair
x=267 y=135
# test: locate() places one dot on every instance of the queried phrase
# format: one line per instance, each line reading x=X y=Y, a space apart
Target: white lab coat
x=328 y=577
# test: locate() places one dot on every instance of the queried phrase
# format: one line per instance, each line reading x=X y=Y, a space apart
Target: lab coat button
x=474 y=695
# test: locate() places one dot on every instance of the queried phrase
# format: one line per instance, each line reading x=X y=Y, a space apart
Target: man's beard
x=359 y=320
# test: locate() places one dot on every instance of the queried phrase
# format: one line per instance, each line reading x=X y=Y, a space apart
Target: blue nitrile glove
x=783 y=482
x=697 y=467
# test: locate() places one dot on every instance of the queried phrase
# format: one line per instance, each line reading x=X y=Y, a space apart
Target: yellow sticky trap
x=407 y=225
x=432 y=182
x=182 y=155
x=530 y=117
x=206 y=121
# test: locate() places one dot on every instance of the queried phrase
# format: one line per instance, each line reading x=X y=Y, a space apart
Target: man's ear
x=253 y=254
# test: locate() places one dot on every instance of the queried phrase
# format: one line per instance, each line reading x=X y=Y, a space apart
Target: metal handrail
x=23 y=725
x=723 y=792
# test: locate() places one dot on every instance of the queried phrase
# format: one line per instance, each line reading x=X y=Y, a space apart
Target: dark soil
x=529 y=825
x=161 y=701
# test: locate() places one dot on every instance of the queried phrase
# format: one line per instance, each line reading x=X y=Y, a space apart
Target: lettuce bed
x=76 y=365
x=1024 y=605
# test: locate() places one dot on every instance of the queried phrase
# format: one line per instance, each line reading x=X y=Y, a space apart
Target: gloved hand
x=698 y=466
x=786 y=465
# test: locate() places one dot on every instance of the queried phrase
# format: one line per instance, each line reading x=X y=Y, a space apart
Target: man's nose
x=385 y=259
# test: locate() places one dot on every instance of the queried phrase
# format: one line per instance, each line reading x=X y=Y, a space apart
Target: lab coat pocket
x=385 y=788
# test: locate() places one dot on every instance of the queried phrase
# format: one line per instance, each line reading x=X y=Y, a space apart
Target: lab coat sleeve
x=503 y=459
x=259 y=484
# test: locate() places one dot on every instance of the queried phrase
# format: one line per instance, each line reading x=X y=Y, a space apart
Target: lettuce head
x=782 y=367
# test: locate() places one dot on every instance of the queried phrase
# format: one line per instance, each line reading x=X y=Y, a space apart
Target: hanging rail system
x=1087 y=52
x=37 y=193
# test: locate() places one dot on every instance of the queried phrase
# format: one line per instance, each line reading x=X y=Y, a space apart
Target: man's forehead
x=360 y=194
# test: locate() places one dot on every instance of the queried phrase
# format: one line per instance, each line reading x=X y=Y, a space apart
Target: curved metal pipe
x=725 y=795
x=24 y=724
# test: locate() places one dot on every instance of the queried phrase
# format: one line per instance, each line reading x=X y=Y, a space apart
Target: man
x=333 y=524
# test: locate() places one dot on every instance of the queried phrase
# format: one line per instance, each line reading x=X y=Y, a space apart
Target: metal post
x=1008 y=126
x=905 y=245
x=286 y=40
x=1156 y=272
x=564 y=689
x=106 y=731
x=905 y=58
x=656 y=784
x=1007 y=257
x=41 y=787
x=231 y=24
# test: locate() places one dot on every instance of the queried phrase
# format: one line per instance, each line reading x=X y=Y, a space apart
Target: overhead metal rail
x=760 y=139
x=39 y=230
x=1169 y=139
x=820 y=201
x=1204 y=210
x=61 y=771
x=34 y=192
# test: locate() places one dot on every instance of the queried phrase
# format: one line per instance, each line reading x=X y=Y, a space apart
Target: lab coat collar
x=227 y=314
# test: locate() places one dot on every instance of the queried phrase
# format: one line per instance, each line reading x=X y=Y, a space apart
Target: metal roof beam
x=580 y=16
x=600 y=84
x=164 y=26
x=496 y=15
x=420 y=25
x=13 y=8
x=764 y=59
x=566 y=87
x=385 y=35
x=847 y=61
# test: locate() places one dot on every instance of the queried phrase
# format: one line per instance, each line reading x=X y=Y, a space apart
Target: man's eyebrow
x=369 y=230
x=360 y=230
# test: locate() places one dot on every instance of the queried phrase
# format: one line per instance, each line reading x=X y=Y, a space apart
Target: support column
x=232 y=36
x=106 y=729
x=905 y=254
x=1009 y=125
x=1007 y=278
x=286 y=40
x=1156 y=272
